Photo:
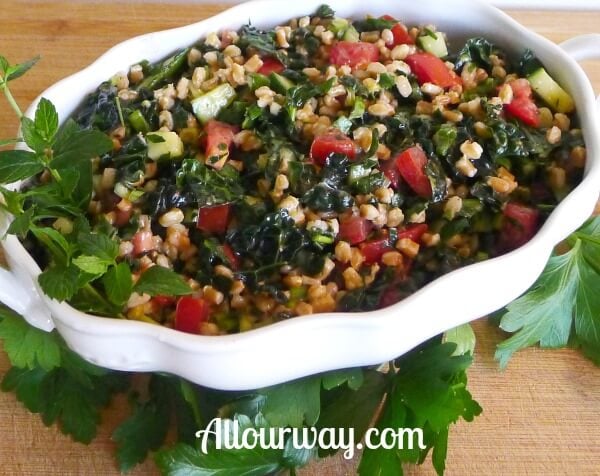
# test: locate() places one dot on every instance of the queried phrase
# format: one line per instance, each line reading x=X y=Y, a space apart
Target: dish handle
x=24 y=300
x=584 y=47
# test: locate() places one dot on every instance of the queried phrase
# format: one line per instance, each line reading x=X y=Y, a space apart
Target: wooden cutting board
x=540 y=416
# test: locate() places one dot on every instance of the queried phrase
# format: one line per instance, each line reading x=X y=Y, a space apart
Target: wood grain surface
x=540 y=416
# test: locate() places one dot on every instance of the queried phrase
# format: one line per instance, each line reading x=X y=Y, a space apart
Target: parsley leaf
x=162 y=281
x=17 y=165
x=26 y=345
x=428 y=392
x=563 y=301
x=145 y=430
x=353 y=407
x=71 y=395
x=183 y=460
x=464 y=338
x=293 y=403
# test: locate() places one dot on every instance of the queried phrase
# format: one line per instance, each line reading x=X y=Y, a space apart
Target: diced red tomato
x=190 y=314
x=214 y=219
x=270 y=65
x=411 y=165
x=401 y=35
x=519 y=225
x=234 y=261
x=373 y=250
x=414 y=231
x=219 y=137
x=353 y=53
x=392 y=173
x=332 y=142
x=400 y=32
x=142 y=242
x=523 y=106
x=429 y=68
x=525 y=110
x=355 y=229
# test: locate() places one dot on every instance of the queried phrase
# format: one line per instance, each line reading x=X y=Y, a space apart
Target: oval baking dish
x=311 y=344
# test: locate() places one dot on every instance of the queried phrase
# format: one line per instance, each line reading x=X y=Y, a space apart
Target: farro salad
x=325 y=165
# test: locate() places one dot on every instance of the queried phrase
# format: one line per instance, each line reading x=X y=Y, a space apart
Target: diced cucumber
x=358 y=171
x=351 y=34
x=434 y=43
x=338 y=26
x=279 y=83
x=139 y=122
x=257 y=80
x=208 y=106
x=358 y=110
x=170 y=147
x=343 y=124
x=551 y=92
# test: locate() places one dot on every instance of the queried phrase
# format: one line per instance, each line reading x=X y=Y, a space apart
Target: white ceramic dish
x=317 y=343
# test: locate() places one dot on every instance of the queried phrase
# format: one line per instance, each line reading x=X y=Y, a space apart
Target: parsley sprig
x=563 y=307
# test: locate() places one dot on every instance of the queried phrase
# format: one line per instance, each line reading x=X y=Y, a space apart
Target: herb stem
x=55 y=174
x=11 y=100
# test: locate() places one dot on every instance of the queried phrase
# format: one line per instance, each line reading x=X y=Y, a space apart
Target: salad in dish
x=324 y=165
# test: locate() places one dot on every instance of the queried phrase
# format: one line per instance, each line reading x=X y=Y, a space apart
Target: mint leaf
x=4 y=64
x=13 y=200
x=118 y=284
x=18 y=165
x=98 y=245
x=17 y=70
x=57 y=244
x=46 y=120
x=60 y=282
x=92 y=264
x=25 y=345
x=21 y=224
x=31 y=136
x=146 y=429
x=158 y=281
x=75 y=146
